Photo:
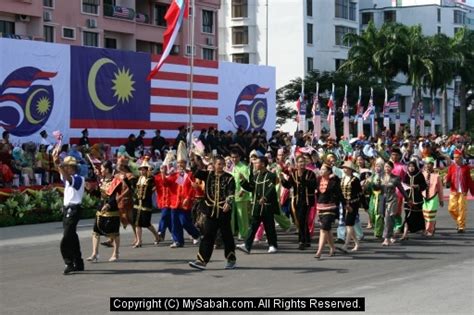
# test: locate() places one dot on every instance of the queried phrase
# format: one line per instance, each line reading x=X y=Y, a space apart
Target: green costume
x=241 y=208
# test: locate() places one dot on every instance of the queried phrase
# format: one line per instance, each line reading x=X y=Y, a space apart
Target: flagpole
x=316 y=115
x=421 y=122
x=412 y=114
x=386 y=119
x=360 y=110
x=433 y=130
x=332 y=120
x=397 y=117
x=345 y=111
x=302 y=113
x=191 y=79
x=372 y=114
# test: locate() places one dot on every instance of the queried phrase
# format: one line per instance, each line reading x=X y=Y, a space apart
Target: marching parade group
x=219 y=191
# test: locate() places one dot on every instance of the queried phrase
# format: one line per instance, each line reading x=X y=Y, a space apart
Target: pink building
x=136 y=25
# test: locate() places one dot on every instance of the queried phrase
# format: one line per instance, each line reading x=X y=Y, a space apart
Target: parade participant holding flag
x=73 y=193
x=181 y=200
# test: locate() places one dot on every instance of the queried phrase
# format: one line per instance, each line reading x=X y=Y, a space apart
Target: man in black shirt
x=158 y=142
x=130 y=146
x=139 y=141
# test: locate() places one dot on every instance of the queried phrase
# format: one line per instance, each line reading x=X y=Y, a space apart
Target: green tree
x=463 y=45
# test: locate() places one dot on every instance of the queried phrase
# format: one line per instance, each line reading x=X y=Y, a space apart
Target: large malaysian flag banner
x=68 y=88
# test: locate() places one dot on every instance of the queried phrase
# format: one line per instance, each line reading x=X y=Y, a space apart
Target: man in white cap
x=73 y=193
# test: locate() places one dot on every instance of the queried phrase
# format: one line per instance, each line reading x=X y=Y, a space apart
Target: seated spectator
x=22 y=166
x=6 y=175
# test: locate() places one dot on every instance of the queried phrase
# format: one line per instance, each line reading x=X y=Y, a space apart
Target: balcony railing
x=119 y=12
x=15 y=36
x=125 y=13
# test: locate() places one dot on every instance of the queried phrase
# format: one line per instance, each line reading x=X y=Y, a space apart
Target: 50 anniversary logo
x=26 y=100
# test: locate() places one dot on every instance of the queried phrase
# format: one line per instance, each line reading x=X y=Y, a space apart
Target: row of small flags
x=417 y=112
x=391 y=104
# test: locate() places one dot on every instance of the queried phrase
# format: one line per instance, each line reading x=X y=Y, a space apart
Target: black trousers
x=302 y=211
x=268 y=220
x=211 y=226
x=70 y=246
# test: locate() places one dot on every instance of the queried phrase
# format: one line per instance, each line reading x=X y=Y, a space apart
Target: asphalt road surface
x=419 y=276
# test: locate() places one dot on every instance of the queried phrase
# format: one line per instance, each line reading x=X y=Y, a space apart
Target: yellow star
x=261 y=114
x=43 y=105
x=123 y=85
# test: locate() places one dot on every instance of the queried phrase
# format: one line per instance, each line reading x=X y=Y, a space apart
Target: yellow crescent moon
x=254 y=124
x=92 y=87
x=28 y=105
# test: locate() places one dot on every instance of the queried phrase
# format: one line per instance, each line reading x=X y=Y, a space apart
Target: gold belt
x=107 y=214
x=143 y=208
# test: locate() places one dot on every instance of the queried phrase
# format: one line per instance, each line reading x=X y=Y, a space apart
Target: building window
x=341 y=31
x=48 y=33
x=390 y=16
x=111 y=43
x=309 y=33
x=207 y=21
x=339 y=63
x=457 y=29
x=367 y=17
x=439 y=29
x=403 y=104
x=207 y=54
x=90 y=6
x=342 y=9
x=149 y=47
x=69 y=33
x=240 y=35
x=459 y=17
x=439 y=15
x=160 y=12
x=110 y=2
x=90 y=39
x=7 y=27
x=346 y=9
x=309 y=7
x=240 y=58
x=239 y=8
x=48 y=3
x=309 y=64
x=352 y=11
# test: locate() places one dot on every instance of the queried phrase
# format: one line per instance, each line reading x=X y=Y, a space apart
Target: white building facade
x=434 y=16
x=295 y=36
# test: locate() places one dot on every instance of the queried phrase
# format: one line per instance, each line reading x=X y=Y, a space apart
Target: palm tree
x=416 y=63
x=463 y=44
x=440 y=66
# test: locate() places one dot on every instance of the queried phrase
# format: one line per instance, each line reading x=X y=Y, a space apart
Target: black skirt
x=415 y=220
x=141 y=218
x=350 y=217
x=108 y=226
x=327 y=220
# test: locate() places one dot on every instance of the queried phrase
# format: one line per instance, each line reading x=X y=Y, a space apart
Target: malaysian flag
x=300 y=105
x=359 y=108
x=392 y=103
x=370 y=109
x=123 y=12
x=117 y=109
x=331 y=107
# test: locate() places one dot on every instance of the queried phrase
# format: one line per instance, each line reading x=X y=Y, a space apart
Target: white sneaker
x=272 y=249
x=243 y=248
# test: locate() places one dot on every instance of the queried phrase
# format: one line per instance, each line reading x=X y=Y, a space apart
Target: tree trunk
x=462 y=108
x=443 y=112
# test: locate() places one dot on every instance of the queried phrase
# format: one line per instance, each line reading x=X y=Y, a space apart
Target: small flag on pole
x=316 y=114
x=331 y=114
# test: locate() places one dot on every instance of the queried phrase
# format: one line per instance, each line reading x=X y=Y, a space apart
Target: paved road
x=421 y=276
